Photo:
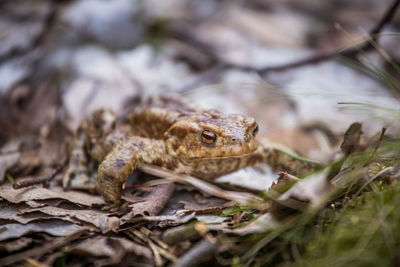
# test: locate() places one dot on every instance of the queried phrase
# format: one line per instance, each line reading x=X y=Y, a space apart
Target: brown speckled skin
x=165 y=131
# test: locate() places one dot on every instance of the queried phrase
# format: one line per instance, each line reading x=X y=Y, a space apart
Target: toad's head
x=211 y=134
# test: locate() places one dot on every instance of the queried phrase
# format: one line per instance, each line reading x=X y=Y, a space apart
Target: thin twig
x=45 y=180
x=220 y=64
x=387 y=17
x=350 y=52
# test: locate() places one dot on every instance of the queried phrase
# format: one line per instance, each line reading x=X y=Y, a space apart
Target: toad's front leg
x=121 y=161
x=280 y=158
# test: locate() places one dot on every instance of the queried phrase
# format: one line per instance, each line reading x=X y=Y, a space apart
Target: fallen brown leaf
x=200 y=184
x=52 y=227
x=154 y=202
x=97 y=218
x=351 y=139
x=41 y=193
x=12 y=213
x=261 y=224
x=171 y=219
x=313 y=189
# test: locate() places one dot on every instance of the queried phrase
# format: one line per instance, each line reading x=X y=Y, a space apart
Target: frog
x=169 y=132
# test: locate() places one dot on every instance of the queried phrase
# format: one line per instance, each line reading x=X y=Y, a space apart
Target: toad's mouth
x=224 y=157
x=237 y=150
x=232 y=155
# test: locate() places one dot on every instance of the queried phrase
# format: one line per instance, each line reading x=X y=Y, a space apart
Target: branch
x=220 y=64
x=45 y=180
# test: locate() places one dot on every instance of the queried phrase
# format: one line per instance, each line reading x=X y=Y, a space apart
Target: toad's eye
x=208 y=137
x=255 y=131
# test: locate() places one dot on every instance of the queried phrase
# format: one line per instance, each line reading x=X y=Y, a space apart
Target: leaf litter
x=180 y=220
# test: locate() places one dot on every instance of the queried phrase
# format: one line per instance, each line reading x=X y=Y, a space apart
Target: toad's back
x=155 y=116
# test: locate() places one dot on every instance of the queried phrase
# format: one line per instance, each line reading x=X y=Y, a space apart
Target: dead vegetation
x=60 y=61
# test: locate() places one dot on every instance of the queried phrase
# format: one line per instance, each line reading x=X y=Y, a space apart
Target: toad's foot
x=120 y=163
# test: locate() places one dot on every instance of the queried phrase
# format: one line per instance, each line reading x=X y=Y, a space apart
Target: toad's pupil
x=208 y=137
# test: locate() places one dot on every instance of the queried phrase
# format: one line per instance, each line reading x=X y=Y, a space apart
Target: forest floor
x=321 y=79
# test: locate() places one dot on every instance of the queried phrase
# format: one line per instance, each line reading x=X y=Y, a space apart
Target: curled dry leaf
x=12 y=213
x=215 y=205
x=351 y=139
x=52 y=227
x=187 y=199
x=186 y=215
x=96 y=218
x=211 y=219
x=313 y=189
x=261 y=224
x=199 y=184
x=283 y=178
x=41 y=193
x=154 y=202
x=171 y=219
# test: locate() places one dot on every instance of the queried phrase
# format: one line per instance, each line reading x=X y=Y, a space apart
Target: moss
x=367 y=233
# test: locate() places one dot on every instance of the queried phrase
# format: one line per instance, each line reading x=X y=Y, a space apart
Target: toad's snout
x=242 y=146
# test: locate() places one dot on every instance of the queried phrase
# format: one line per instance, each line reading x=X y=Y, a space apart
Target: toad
x=167 y=132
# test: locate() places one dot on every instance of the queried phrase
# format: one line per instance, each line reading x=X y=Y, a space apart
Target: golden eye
x=255 y=131
x=208 y=137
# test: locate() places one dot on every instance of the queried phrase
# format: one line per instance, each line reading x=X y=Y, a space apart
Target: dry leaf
x=12 y=213
x=52 y=227
x=211 y=219
x=154 y=202
x=351 y=139
x=199 y=184
x=97 y=218
x=312 y=189
x=261 y=224
x=171 y=220
x=41 y=193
